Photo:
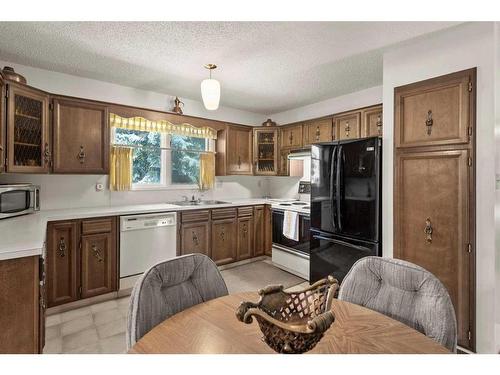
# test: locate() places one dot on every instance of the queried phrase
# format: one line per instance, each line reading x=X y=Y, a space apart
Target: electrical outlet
x=99 y=187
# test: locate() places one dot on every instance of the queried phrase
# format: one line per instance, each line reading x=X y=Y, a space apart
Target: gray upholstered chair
x=405 y=292
x=170 y=287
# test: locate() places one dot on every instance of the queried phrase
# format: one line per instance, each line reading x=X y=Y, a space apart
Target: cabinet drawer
x=93 y=226
x=202 y=215
x=245 y=211
x=223 y=213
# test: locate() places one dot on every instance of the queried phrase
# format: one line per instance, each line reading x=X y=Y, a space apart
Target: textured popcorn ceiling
x=264 y=67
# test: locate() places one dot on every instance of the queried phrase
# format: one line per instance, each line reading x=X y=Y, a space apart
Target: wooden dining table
x=212 y=328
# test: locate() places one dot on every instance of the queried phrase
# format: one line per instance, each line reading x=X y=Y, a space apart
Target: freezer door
x=323 y=193
x=334 y=255
x=358 y=189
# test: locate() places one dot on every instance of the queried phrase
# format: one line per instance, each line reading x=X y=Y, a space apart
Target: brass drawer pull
x=222 y=234
x=97 y=253
x=379 y=125
x=47 y=156
x=429 y=122
x=82 y=155
x=245 y=230
x=347 y=129
x=195 y=239
x=428 y=230
x=62 y=248
x=318 y=133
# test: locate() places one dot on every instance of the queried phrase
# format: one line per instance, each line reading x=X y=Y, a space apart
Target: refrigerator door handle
x=332 y=186
x=338 y=187
x=357 y=247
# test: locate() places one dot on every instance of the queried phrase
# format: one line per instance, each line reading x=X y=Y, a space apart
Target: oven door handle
x=357 y=247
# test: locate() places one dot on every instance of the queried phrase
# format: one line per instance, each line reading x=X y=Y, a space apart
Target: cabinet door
x=348 y=125
x=239 y=151
x=245 y=237
x=62 y=262
x=291 y=136
x=318 y=131
x=98 y=264
x=81 y=137
x=195 y=238
x=224 y=241
x=19 y=305
x=432 y=225
x=28 y=144
x=284 y=163
x=268 y=229
x=436 y=111
x=259 y=231
x=265 y=151
x=2 y=125
x=372 y=122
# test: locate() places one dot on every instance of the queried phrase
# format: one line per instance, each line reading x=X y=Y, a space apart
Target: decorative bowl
x=292 y=322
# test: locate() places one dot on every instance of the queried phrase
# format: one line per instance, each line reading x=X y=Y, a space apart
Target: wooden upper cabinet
x=2 y=125
x=28 y=141
x=291 y=136
x=239 y=150
x=265 y=151
x=431 y=223
x=62 y=262
x=372 y=122
x=317 y=131
x=81 y=137
x=98 y=264
x=436 y=111
x=348 y=125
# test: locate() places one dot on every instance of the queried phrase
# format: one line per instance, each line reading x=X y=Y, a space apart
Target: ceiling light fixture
x=210 y=90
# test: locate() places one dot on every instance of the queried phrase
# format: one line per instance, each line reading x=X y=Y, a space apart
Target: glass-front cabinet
x=266 y=151
x=27 y=130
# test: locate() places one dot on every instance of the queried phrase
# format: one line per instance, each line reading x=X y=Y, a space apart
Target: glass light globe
x=210 y=93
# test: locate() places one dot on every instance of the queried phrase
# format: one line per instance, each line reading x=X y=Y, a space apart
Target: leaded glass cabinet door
x=29 y=148
x=266 y=151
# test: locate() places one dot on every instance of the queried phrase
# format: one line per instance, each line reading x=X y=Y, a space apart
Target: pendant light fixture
x=210 y=90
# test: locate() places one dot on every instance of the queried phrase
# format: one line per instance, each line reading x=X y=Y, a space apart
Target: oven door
x=302 y=245
x=18 y=200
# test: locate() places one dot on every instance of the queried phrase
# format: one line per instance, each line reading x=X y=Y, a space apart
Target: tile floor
x=100 y=328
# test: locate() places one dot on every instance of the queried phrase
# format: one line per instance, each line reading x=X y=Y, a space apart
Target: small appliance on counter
x=289 y=254
x=19 y=199
x=346 y=220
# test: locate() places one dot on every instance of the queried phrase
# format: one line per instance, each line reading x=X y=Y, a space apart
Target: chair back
x=170 y=287
x=405 y=292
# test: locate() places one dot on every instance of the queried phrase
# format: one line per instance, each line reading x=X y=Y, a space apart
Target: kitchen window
x=162 y=160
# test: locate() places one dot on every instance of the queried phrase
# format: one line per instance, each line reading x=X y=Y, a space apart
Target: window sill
x=164 y=187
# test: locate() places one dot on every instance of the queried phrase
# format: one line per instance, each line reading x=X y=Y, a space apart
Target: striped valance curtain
x=161 y=126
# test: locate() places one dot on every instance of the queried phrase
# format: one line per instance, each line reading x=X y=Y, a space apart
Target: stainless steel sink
x=197 y=203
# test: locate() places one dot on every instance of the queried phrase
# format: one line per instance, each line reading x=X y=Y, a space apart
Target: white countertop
x=25 y=235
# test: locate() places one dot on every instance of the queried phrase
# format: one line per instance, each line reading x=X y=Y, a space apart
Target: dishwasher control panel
x=147 y=221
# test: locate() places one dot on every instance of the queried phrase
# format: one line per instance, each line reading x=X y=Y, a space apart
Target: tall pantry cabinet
x=434 y=192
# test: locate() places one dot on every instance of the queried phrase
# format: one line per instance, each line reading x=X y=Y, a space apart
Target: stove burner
x=299 y=203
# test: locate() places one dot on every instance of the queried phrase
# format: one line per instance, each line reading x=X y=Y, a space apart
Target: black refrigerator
x=346 y=220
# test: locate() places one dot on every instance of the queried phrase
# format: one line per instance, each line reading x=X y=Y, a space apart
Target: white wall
x=65 y=84
x=497 y=169
x=466 y=46
x=358 y=99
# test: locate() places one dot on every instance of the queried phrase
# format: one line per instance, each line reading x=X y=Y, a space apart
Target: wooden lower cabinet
x=98 y=264
x=259 y=230
x=245 y=246
x=224 y=241
x=62 y=262
x=19 y=306
x=195 y=238
x=81 y=259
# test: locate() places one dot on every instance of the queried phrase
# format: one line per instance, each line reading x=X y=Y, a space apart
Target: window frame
x=166 y=166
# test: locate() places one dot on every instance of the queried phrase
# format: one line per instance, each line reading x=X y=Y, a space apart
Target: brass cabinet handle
x=429 y=122
x=82 y=155
x=239 y=162
x=62 y=248
x=222 y=234
x=195 y=238
x=245 y=230
x=97 y=253
x=379 y=125
x=347 y=129
x=317 y=133
x=428 y=230
x=47 y=156
x=291 y=138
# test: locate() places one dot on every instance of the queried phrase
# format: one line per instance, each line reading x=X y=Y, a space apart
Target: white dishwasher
x=144 y=241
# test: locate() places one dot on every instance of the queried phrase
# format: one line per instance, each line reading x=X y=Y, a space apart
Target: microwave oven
x=18 y=199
